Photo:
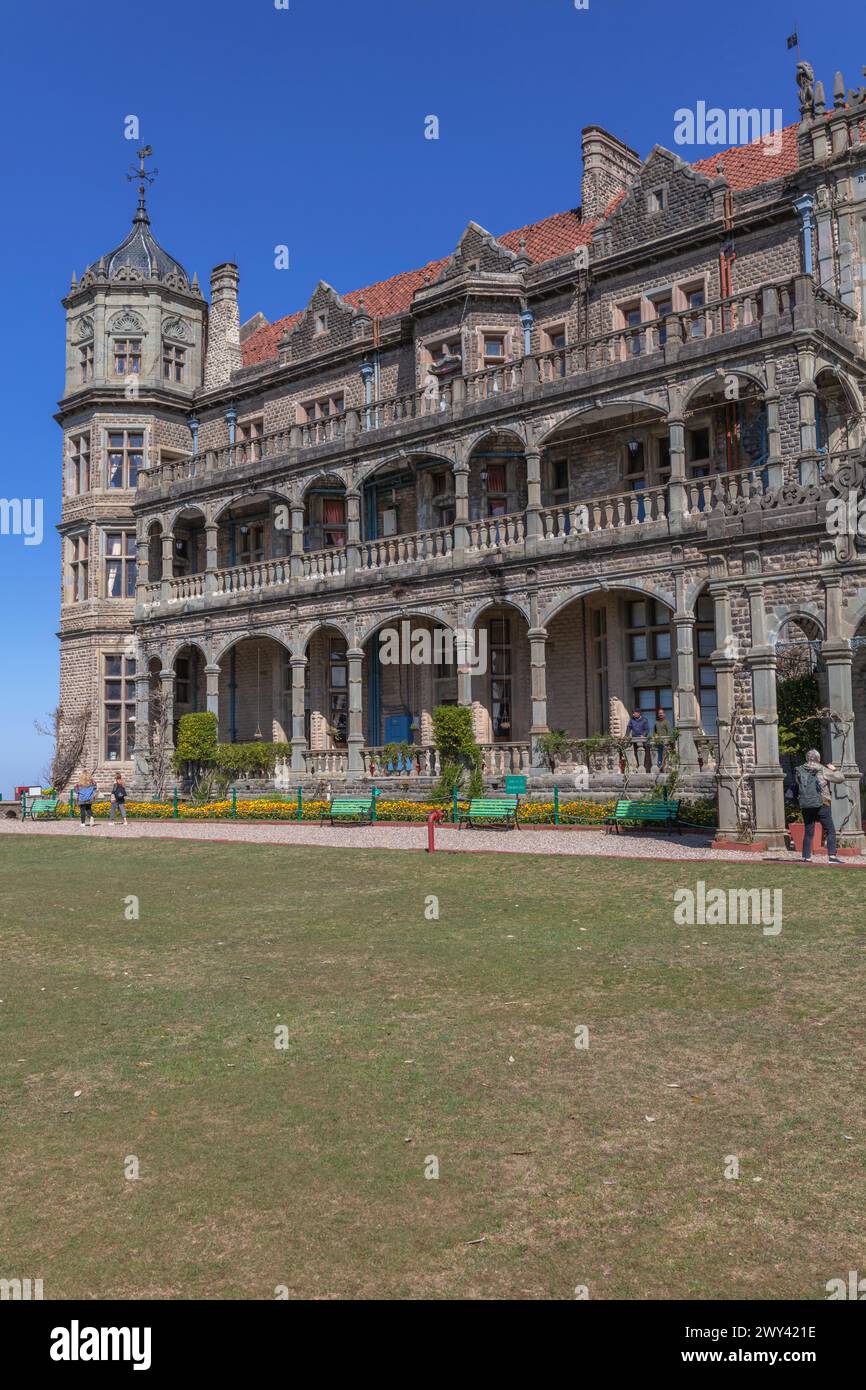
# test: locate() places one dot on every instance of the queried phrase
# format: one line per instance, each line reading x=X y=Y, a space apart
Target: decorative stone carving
x=126 y=322
x=806 y=85
x=128 y=274
x=178 y=329
x=848 y=477
x=84 y=329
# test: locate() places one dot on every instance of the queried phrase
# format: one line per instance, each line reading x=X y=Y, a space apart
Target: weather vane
x=143 y=175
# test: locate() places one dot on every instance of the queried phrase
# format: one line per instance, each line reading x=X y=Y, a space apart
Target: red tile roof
x=744 y=167
x=749 y=165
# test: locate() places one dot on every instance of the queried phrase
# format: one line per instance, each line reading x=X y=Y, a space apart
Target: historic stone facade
x=625 y=446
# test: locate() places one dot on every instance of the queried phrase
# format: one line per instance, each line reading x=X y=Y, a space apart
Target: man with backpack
x=814 y=795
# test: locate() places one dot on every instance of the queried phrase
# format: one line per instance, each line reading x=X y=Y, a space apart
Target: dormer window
x=656 y=200
x=320 y=322
x=127 y=356
x=173 y=362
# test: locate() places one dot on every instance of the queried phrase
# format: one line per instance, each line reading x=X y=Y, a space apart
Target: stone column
x=807 y=393
x=211 y=535
x=838 y=657
x=768 y=778
x=166 y=686
x=353 y=531
x=167 y=565
x=299 y=738
x=538 y=670
x=296 y=562
x=533 y=498
x=142 y=727
x=725 y=664
x=461 y=508
x=212 y=690
x=677 y=502
x=355 y=740
x=688 y=715
x=775 y=469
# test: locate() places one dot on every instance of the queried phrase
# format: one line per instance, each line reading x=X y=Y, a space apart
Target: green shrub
x=249 y=759
x=458 y=751
x=196 y=741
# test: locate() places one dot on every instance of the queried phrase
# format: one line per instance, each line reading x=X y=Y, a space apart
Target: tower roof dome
x=139 y=256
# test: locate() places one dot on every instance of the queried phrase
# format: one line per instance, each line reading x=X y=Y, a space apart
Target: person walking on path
x=85 y=795
x=663 y=731
x=814 y=794
x=118 y=801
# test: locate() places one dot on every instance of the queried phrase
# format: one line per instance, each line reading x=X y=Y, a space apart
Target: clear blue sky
x=305 y=127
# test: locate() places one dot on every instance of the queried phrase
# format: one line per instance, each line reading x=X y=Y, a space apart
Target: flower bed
x=582 y=812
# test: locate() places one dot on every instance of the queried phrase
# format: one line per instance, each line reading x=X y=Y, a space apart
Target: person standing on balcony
x=638 y=727
x=664 y=732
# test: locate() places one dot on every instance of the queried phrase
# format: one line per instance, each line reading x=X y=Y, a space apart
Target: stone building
x=622 y=446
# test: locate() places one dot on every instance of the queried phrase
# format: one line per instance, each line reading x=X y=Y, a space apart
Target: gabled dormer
x=665 y=196
x=328 y=322
x=478 y=252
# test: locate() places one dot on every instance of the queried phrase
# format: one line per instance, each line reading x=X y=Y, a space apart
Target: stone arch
x=436 y=454
x=641 y=587
x=497 y=473
x=598 y=411
x=219 y=649
x=308 y=631
x=513 y=428
x=235 y=499
x=806 y=615
x=847 y=383
x=188 y=510
x=717 y=379
x=177 y=645
x=339 y=476
x=254 y=686
x=838 y=409
x=491 y=601
x=433 y=615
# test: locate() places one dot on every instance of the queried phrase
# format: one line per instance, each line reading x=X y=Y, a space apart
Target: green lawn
x=409 y=1038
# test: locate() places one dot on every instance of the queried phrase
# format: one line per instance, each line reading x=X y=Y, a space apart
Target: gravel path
x=632 y=845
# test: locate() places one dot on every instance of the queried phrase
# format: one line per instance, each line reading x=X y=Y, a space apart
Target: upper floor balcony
x=535 y=381
x=661 y=513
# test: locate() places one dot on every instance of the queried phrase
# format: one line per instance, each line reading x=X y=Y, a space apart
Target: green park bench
x=349 y=810
x=489 y=811
x=661 y=814
x=39 y=807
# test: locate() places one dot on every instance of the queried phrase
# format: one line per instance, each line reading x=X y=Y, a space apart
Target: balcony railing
x=575 y=524
x=764 y=305
x=611 y=759
x=408 y=549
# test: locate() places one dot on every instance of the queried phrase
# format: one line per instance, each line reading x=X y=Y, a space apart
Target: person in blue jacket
x=85 y=795
x=638 y=727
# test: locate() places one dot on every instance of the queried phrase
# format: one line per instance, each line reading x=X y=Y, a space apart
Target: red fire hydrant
x=432 y=818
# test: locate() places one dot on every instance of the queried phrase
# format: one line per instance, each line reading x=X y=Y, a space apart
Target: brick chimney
x=224 y=326
x=608 y=165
